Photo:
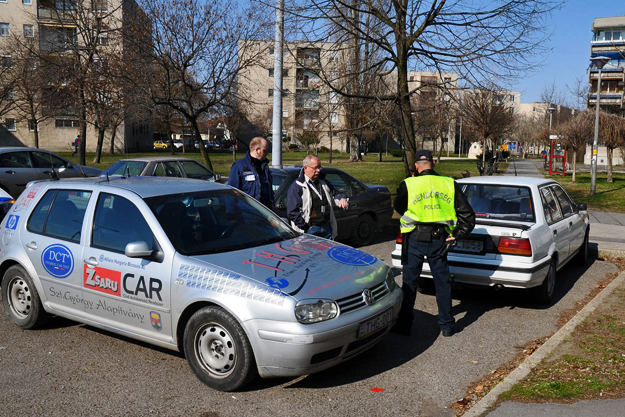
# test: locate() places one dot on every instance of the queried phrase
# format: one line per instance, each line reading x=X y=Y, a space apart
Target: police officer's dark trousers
x=442 y=280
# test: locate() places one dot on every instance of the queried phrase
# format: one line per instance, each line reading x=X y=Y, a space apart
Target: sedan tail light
x=399 y=238
x=515 y=246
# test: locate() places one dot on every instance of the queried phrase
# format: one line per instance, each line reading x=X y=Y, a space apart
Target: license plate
x=367 y=328
x=473 y=246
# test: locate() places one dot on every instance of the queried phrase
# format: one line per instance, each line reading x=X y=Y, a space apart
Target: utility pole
x=276 y=138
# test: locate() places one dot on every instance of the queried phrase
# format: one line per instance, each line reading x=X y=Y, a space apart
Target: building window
x=334 y=56
x=333 y=97
x=100 y=5
x=10 y=124
x=66 y=123
x=533 y=108
x=4 y=29
x=29 y=31
x=411 y=78
x=31 y=125
x=270 y=92
x=447 y=80
x=334 y=117
x=8 y=95
x=270 y=51
x=103 y=38
x=511 y=109
x=512 y=98
x=271 y=72
x=7 y=61
x=27 y=1
x=285 y=73
x=285 y=113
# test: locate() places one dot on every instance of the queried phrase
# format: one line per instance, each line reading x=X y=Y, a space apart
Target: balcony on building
x=56 y=11
x=306 y=79
x=307 y=99
x=305 y=119
x=308 y=57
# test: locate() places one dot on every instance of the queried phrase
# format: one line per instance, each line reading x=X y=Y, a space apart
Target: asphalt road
x=70 y=369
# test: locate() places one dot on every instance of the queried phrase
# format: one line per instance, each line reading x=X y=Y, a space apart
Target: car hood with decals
x=193 y=266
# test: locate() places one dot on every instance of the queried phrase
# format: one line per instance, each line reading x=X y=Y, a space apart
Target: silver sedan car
x=165 y=166
x=526 y=229
x=192 y=266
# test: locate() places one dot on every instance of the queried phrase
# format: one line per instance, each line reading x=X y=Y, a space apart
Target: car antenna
x=53 y=174
x=107 y=177
x=127 y=171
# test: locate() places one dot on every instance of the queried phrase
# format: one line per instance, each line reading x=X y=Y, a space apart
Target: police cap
x=423 y=155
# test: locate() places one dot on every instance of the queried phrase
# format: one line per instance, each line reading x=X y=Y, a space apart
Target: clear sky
x=569 y=47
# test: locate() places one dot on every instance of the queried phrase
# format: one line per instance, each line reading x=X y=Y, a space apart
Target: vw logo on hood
x=367 y=296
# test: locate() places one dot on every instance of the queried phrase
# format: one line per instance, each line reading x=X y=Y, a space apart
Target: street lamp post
x=598 y=62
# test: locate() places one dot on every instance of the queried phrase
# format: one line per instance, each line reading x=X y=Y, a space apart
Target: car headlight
x=314 y=311
x=390 y=280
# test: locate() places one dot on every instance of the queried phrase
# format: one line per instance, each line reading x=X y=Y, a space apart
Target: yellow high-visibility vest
x=431 y=199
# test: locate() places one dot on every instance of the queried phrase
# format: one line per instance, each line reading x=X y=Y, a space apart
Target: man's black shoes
x=447 y=333
x=401 y=329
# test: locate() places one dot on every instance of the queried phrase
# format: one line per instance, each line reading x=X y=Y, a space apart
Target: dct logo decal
x=58 y=261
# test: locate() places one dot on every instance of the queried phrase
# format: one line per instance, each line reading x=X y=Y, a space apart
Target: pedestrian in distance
x=76 y=145
x=310 y=201
x=251 y=173
x=434 y=213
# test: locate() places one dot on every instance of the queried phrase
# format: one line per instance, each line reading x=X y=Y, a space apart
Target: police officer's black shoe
x=401 y=329
x=447 y=333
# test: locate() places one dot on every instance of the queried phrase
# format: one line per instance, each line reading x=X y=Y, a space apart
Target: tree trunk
x=83 y=127
x=203 y=150
x=354 y=151
x=113 y=133
x=98 y=149
x=574 y=176
x=610 y=151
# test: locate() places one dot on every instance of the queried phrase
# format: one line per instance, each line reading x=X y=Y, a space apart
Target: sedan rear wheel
x=582 y=256
x=218 y=350
x=20 y=299
x=544 y=293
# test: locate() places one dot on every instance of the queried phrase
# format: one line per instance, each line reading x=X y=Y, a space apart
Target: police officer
x=434 y=212
x=251 y=173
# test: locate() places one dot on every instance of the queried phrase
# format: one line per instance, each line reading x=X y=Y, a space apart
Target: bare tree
x=576 y=133
x=612 y=128
x=479 y=40
x=485 y=115
x=197 y=55
x=579 y=90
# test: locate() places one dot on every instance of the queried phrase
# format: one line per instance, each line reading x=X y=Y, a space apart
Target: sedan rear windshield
x=505 y=202
x=125 y=168
x=207 y=222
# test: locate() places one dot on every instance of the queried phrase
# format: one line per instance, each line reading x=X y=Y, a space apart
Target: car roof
x=500 y=180
x=146 y=186
x=21 y=148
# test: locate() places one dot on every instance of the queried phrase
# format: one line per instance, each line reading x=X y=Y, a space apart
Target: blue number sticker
x=276 y=282
x=351 y=256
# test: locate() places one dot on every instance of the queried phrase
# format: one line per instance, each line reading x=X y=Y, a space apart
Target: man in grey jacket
x=310 y=200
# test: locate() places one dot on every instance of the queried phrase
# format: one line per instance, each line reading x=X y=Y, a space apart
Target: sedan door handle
x=571 y=224
x=32 y=246
x=9 y=172
x=555 y=232
x=91 y=262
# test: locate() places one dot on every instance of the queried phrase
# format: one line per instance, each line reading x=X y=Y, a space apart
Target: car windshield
x=504 y=202
x=208 y=222
x=125 y=168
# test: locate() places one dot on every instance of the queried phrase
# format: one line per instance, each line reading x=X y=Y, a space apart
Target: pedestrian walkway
x=605 y=231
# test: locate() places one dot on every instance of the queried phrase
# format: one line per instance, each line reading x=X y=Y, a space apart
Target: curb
x=485 y=404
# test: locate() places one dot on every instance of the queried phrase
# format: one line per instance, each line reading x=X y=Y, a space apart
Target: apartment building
x=608 y=40
x=56 y=29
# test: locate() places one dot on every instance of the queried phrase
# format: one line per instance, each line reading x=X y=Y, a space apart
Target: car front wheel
x=218 y=350
x=363 y=232
x=20 y=299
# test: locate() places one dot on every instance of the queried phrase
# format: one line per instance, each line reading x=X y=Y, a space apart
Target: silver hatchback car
x=192 y=266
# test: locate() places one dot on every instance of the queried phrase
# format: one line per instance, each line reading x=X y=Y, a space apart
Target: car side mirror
x=138 y=249
x=582 y=206
x=217 y=178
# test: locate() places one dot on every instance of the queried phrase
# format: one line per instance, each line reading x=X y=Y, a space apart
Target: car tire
x=582 y=256
x=21 y=301
x=218 y=350
x=544 y=292
x=363 y=230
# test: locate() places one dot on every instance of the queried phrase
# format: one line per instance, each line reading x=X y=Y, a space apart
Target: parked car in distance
x=178 y=144
x=161 y=167
x=526 y=230
x=196 y=267
x=206 y=143
x=6 y=201
x=161 y=144
x=19 y=166
x=370 y=205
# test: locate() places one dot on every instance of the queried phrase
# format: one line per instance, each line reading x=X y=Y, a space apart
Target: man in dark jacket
x=251 y=174
x=434 y=213
x=310 y=201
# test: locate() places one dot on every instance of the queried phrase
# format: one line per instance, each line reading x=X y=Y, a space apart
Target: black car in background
x=370 y=206
x=19 y=166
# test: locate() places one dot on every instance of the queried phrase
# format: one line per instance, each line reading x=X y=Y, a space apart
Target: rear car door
x=44 y=162
x=52 y=241
x=558 y=225
x=345 y=218
x=573 y=218
x=131 y=294
x=17 y=170
x=194 y=170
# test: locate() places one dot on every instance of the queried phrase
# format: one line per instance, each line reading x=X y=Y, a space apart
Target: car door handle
x=353 y=205
x=32 y=246
x=571 y=224
x=9 y=172
x=555 y=233
x=91 y=262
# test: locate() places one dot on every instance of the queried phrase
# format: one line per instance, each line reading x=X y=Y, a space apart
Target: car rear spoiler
x=509 y=224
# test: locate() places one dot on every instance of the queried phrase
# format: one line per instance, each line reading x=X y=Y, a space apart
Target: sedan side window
x=553 y=214
x=15 y=160
x=358 y=188
x=46 y=160
x=60 y=214
x=568 y=208
x=339 y=184
x=168 y=169
x=197 y=171
x=118 y=222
